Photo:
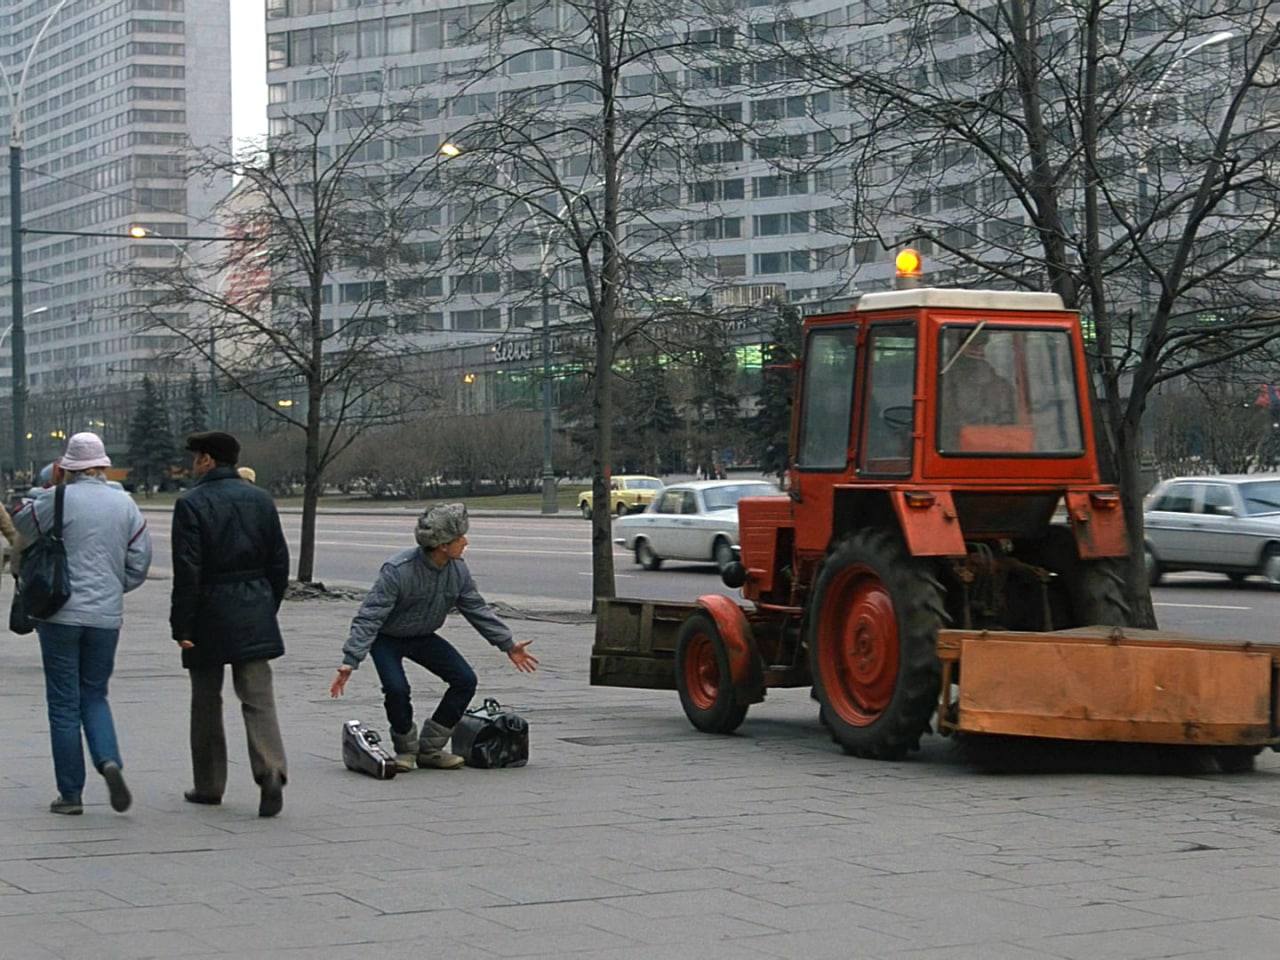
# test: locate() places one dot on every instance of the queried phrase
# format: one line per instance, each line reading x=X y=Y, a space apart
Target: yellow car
x=627 y=494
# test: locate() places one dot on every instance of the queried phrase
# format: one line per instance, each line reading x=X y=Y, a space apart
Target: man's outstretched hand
x=524 y=661
x=340 y=681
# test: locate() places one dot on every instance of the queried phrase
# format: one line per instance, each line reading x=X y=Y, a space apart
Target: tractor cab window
x=1007 y=392
x=828 y=398
x=890 y=416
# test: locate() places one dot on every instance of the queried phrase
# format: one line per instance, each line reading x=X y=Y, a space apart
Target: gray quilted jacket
x=412 y=597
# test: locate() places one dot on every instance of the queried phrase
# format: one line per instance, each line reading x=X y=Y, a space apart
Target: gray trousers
x=252 y=682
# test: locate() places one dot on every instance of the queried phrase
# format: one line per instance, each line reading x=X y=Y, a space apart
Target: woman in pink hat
x=108 y=554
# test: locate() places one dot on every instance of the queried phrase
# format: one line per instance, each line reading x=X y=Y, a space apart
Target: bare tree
x=325 y=213
x=575 y=185
x=1122 y=154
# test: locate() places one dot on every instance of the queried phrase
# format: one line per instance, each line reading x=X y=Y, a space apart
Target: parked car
x=627 y=494
x=690 y=521
x=1227 y=524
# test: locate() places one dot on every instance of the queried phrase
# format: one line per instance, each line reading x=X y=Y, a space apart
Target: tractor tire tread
x=918 y=603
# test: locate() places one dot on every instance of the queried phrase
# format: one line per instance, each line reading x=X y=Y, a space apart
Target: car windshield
x=1007 y=392
x=641 y=483
x=722 y=498
x=1261 y=496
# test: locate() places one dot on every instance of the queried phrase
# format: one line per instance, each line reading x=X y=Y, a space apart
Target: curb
x=408 y=512
x=514 y=607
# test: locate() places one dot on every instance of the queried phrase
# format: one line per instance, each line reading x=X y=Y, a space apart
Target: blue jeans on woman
x=77 y=666
x=436 y=654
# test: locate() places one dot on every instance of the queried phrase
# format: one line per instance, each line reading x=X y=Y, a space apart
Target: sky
x=248 y=69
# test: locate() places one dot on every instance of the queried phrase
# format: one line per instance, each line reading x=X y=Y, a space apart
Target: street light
x=550 y=504
x=139 y=232
x=18 y=391
x=1144 y=135
x=1145 y=144
x=37 y=311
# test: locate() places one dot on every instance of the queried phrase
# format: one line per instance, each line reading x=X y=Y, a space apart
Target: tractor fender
x=745 y=670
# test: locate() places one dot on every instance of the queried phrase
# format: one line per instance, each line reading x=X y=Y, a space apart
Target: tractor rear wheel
x=702 y=677
x=1094 y=589
x=872 y=637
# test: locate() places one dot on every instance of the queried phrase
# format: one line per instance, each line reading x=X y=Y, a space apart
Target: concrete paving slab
x=628 y=837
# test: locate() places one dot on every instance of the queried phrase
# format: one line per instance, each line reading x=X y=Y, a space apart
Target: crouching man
x=398 y=621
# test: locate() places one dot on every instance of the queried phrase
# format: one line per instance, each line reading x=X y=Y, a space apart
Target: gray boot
x=431 y=752
x=406 y=746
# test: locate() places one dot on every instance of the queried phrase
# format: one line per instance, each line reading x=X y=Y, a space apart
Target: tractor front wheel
x=702 y=677
x=872 y=639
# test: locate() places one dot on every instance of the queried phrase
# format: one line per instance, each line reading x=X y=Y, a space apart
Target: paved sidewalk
x=629 y=837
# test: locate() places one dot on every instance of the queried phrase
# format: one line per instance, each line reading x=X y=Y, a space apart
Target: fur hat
x=441 y=524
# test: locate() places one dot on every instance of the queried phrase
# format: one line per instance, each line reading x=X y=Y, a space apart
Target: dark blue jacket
x=230 y=570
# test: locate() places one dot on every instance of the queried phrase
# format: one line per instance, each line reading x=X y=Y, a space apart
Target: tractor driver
x=973 y=393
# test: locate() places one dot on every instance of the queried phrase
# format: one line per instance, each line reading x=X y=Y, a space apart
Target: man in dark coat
x=230 y=570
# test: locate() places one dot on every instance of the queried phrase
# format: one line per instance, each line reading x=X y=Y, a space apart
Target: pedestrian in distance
x=108 y=554
x=398 y=621
x=230 y=571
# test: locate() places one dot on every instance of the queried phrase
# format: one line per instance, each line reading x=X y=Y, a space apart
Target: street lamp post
x=550 y=503
x=18 y=391
x=1144 y=135
x=139 y=232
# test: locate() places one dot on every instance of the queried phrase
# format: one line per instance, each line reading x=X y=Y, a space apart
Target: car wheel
x=621 y=509
x=1237 y=578
x=722 y=553
x=1154 y=573
x=1271 y=566
x=586 y=510
x=646 y=557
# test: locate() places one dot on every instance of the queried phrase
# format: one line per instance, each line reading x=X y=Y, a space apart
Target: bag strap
x=57 y=510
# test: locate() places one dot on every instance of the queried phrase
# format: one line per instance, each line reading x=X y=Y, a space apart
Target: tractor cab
x=955 y=417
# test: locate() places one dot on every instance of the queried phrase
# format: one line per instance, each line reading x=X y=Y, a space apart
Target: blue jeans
x=77 y=666
x=434 y=653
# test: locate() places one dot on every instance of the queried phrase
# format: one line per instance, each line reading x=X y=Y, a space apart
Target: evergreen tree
x=647 y=427
x=151 y=447
x=713 y=398
x=195 y=416
x=771 y=425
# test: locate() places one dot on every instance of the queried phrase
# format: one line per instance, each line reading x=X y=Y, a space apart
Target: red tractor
x=945 y=546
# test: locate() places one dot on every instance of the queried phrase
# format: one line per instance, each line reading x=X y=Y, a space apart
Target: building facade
x=117 y=93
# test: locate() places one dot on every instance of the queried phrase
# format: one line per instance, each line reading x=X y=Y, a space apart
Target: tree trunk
x=1128 y=470
x=311 y=487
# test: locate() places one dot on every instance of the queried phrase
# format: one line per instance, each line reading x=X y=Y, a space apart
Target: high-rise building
x=116 y=93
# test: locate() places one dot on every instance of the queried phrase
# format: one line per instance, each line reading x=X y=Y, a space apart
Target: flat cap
x=441 y=524
x=223 y=447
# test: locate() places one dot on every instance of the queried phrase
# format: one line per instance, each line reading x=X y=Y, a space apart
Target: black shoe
x=195 y=796
x=121 y=798
x=69 y=807
x=272 y=801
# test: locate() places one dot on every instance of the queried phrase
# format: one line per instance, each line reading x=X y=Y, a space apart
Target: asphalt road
x=550 y=560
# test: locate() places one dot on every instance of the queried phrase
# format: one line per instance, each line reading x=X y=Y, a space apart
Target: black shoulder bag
x=43 y=582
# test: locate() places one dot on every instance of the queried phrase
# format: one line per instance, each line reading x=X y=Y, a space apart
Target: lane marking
x=1201 y=606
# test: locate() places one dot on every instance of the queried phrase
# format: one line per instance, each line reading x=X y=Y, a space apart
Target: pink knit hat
x=84 y=451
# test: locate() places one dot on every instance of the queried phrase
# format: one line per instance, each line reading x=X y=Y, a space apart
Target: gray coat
x=412 y=597
x=108 y=548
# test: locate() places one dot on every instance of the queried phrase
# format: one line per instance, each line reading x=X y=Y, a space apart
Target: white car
x=1225 y=524
x=690 y=521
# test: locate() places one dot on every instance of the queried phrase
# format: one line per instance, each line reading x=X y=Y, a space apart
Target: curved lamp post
x=18 y=391
x=550 y=504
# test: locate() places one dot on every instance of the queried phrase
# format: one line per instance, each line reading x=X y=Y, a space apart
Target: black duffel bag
x=43 y=582
x=489 y=736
